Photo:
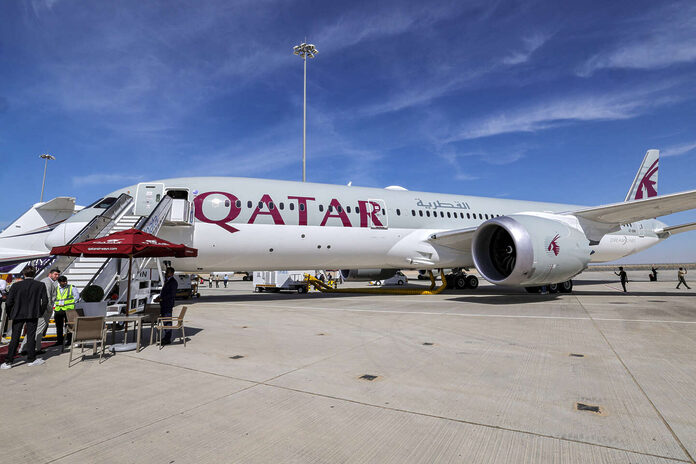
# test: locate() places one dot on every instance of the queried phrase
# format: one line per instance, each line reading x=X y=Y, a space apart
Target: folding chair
x=151 y=313
x=177 y=323
x=88 y=330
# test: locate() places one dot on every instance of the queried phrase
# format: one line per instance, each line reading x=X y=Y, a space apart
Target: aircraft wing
x=638 y=210
x=459 y=239
x=672 y=230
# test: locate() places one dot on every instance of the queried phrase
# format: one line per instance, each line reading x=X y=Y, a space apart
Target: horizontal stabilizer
x=58 y=204
x=672 y=230
x=638 y=210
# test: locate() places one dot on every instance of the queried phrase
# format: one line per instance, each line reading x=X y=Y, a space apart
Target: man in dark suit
x=166 y=301
x=26 y=302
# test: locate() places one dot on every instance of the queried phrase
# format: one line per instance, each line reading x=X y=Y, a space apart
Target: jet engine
x=526 y=249
x=361 y=275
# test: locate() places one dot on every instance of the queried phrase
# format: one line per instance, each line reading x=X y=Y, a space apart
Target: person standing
x=217 y=281
x=66 y=296
x=622 y=275
x=51 y=284
x=210 y=281
x=681 y=275
x=226 y=278
x=26 y=302
x=3 y=298
x=166 y=301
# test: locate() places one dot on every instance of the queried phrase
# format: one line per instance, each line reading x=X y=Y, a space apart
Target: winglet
x=645 y=183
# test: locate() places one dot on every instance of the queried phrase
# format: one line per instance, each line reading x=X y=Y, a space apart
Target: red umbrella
x=131 y=243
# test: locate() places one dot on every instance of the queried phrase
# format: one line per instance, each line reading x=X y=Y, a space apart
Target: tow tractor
x=276 y=281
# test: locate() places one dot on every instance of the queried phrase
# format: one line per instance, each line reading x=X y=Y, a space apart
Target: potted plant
x=91 y=301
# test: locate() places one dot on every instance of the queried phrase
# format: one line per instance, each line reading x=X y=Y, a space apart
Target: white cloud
x=677 y=150
x=654 y=44
x=529 y=46
x=105 y=179
x=553 y=113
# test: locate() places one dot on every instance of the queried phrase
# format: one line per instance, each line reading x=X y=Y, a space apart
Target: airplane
x=243 y=223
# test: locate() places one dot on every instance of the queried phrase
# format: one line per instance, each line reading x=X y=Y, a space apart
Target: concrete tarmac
x=486 y=376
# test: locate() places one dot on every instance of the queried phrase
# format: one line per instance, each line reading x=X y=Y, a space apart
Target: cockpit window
x=104 y=203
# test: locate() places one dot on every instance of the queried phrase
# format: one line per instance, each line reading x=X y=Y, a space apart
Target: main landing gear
x=563 y=287
x=459 y=280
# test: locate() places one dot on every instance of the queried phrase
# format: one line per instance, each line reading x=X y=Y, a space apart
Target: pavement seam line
x=322 y=360
x=432 y=313
x=640 y=387
x=479 y=424
x=140 y=427
x=347 y=400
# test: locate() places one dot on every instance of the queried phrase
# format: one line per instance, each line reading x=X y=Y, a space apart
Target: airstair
x=112 y=273
x=83 y=269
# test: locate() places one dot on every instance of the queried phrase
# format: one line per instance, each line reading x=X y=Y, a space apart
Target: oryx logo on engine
x=553 y=246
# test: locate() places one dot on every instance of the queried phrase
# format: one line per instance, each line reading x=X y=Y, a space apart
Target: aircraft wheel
x=460 y=282
x=533 y=289
x=566 y=287
x=472 y=282
x=553 y=288
x=401 y=282
x=301 y=289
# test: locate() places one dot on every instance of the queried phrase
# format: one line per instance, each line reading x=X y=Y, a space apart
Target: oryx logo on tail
x=645 y=183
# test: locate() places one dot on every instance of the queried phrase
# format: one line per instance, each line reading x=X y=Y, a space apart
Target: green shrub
x=92 y=294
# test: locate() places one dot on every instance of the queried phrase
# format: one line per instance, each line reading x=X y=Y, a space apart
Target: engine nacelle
x=362 y=275
x=528 y=250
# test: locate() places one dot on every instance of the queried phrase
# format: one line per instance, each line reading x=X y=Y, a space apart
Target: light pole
x=47 y=157
x=304 y=51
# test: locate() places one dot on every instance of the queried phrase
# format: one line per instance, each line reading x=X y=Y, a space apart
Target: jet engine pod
x=525 y=249
x=362 y=275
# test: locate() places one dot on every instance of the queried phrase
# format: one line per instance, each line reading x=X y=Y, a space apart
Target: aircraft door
x=147 y=196
x=377 y=214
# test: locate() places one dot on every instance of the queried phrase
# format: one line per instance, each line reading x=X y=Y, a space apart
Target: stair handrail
x=91 y=230
x=150 y=224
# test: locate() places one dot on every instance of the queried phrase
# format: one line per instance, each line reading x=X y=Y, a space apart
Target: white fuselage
x=261 y=224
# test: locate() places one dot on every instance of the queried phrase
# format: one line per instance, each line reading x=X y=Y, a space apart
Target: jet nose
x=62 y=234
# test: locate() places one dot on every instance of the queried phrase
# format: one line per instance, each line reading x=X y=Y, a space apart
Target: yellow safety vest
x=64 y=298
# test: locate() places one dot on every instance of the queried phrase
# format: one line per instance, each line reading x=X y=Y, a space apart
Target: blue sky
x=535 y=100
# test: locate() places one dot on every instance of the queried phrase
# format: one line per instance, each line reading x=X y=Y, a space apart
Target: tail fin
x=645 y=183
x=24 y=238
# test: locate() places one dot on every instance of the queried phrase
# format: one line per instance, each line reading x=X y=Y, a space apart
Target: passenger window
x=348 y=209
x=249 y=204
x=281 y=205
x=292 y=206
x=339 y=209
x=486 y=215
x=468 y=216
x=398 y=212
x=480 y=216
x=420 y=212
x=270 y=205
x=330 y=209
x=448 y=214
x=302 y=207
x=427 y=213
x=321 y=207
x=238 y=204
x=227 y=203
x=413 y=212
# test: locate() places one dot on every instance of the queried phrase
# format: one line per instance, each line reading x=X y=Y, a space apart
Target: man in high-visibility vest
x=66 y=296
